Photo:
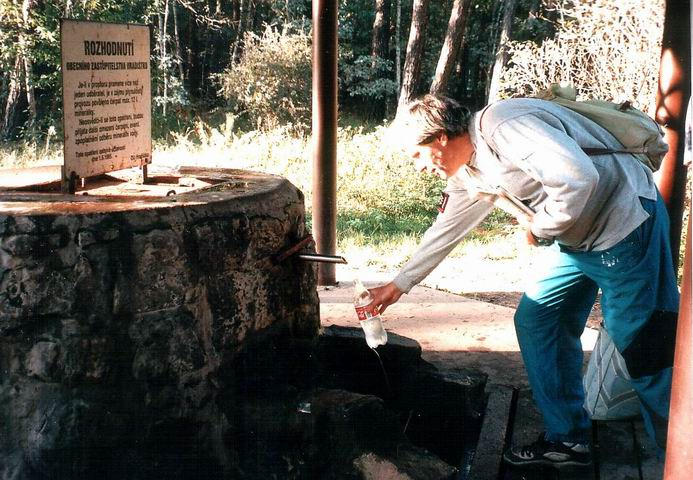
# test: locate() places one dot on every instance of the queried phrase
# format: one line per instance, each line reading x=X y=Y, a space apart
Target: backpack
x=639 y=134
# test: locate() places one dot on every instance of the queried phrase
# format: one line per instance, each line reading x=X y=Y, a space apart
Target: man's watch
x=542 y=242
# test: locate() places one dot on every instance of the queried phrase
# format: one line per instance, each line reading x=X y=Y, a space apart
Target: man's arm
x=460 y=215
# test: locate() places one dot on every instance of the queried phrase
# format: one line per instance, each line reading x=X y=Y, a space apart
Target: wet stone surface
x=310 y=418
x=122 y=322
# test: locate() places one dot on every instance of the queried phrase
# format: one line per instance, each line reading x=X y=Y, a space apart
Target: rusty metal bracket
x=68 y=184
x=284 y=254
x=144 y=177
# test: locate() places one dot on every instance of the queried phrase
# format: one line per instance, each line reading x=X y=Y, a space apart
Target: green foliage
x=270 y=80
x=367 y=78
x=11 y=16
x=375 y=176
x=198 y=45
x=355 y=25
x=607 y=50
x=38 y=38
x=482 y=34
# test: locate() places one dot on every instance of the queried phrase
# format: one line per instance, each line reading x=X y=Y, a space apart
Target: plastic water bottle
x=370 y=320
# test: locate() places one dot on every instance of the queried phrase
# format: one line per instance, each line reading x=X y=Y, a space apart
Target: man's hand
x=384 y=296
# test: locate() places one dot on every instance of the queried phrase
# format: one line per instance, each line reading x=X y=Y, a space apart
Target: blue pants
x=639 y=301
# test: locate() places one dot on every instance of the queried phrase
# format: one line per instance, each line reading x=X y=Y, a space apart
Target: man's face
x=435 y=157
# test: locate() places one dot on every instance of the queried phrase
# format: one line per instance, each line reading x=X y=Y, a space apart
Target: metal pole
x=679 y=456
x=325 y=134
x=672 y=100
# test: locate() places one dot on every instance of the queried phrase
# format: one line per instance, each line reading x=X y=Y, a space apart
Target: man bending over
x=608 y=228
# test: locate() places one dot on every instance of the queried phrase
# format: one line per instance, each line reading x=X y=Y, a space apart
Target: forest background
x=231 y=87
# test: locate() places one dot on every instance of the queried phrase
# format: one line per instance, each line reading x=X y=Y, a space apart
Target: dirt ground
x=511 y=299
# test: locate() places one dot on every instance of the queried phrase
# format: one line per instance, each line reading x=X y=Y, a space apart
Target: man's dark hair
x=430 y=115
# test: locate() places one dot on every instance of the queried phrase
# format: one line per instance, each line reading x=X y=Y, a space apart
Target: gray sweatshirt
x=532 y=149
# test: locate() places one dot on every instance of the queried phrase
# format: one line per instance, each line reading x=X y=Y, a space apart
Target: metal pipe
x=314 y=257
x=679 y=456
x=325 y=134
x=672 y=100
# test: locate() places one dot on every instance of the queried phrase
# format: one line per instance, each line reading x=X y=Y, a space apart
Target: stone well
x=123 y=312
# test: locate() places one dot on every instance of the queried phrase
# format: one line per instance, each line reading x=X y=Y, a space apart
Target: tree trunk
x=27 y=5
x=398 y=47
x=412 y=62
x=381 y=30
x=192 y=40
x=30 y=92
x=239 y=34
x=534 y=8
x=204 y=58
x=451 y=46
x=163 y=64
x=250 y=26
x=502 y=52
x=380 y=46
x=13 y=93
x=179 y=55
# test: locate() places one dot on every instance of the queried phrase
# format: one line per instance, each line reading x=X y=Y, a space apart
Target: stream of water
x=387 y=379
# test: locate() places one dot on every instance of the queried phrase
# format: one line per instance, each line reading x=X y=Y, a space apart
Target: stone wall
x=120 y=321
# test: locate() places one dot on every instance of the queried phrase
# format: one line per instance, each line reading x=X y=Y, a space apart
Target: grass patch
x=377 y=226
x=29 y=154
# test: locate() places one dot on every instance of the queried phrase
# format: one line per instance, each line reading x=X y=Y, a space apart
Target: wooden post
x=325 y=134
x=679 y=456
x=672 y=100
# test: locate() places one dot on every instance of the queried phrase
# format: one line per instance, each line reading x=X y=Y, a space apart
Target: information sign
x=106 y=97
